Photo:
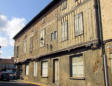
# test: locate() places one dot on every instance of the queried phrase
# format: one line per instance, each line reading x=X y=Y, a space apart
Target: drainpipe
x=101 y=41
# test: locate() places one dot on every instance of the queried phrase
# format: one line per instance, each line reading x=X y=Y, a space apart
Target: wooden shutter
x=80 y=23
x=27 y=69
x=35 y=69
x=66 y=30
x=44 y=69
x=77 y=67
x=76 y=25
x=63 y=31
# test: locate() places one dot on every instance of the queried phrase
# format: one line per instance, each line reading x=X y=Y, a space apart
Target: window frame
x=111 y=62
x=27 y=69
x=35 y=69
x=44 y=76
x=64 y=4
x=71 y=67
x=42 y=37
x=64 y=30
x=78 y=29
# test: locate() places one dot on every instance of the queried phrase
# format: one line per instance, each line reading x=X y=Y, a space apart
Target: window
x=31 y=44
x=43 y=20
x=64 y=31
x=35 y=69
x=64 y=4
x=45 y=69
x=111 y=62
x=17 y=51
x=42 y=38
x=54 y=35
x=77 y=66
x=25 y=46
x=27 y=69
x=78 y=24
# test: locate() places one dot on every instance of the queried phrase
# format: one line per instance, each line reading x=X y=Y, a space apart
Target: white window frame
x=54 y=35
x=27 y=69
x=35 y=68
x=77 y=66
x=44 y=68
x=42 y=38
x=64 y=30
x=79 y=24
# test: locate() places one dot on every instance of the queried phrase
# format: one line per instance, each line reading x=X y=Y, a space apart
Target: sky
x=14 y=15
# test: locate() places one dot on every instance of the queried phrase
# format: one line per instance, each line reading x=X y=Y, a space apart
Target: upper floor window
x=64 y=30
x=17 y=51
x=79 y=24
x=43 y=20
x=42 y=38
x=77 y=66
x=54 y=35
x=31 y=44
x=25 y=46
x=64 y=4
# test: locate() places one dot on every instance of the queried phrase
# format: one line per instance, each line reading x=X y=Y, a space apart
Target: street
x=14 y=83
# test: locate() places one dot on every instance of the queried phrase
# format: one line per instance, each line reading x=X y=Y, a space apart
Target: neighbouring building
x=7 y=64
x=69 y=43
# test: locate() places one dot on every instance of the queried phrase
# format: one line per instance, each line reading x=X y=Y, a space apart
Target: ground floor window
x=44 y=69
x=77 y=66
x=27 y=69
x=35 y=69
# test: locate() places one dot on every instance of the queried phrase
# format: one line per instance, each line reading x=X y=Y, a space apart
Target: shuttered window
x=111 y=62
x=64 y=31
x=42 y=38
x=77 y=66
x=35 y=68
x=45 y=69
x=78 y=24
x=27 y=69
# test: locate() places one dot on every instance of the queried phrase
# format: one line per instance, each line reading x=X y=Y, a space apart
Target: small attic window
x=43 y=20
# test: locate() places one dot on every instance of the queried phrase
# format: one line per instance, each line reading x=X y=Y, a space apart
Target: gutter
x=101 y=42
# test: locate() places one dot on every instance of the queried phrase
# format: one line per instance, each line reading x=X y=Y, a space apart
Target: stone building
x=69 y=43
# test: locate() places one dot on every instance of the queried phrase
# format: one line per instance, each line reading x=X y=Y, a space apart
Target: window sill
x=79 y=34
x=44 y=76
x=77 y=78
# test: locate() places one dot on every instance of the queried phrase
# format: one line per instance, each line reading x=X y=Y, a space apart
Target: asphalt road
x=14 y=83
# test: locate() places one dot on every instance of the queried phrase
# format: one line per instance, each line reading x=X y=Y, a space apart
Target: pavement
x=16 y=83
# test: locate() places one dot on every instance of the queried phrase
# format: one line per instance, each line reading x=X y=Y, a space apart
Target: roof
x=38 y=16
x=6 y=61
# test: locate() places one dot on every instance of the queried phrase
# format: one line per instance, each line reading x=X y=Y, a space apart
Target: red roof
x=6 y=61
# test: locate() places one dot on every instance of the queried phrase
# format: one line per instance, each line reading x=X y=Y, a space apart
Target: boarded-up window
x=78 y=24
x=77 y=66
x=25 y=46
x=31 y=44
x=42 y=38
x=111 y=62
x=64 y=31
x=27 y=69
x=64 y=4
x=35 y=69
x=45 y=69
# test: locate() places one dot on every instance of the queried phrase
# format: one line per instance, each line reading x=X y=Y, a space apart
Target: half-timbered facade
x=61 y=46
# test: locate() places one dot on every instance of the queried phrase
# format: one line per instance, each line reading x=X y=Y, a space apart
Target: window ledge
x=77 y=78
x=44 y=76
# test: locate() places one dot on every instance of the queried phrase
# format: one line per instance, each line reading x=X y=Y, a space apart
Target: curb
x=33 y=83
